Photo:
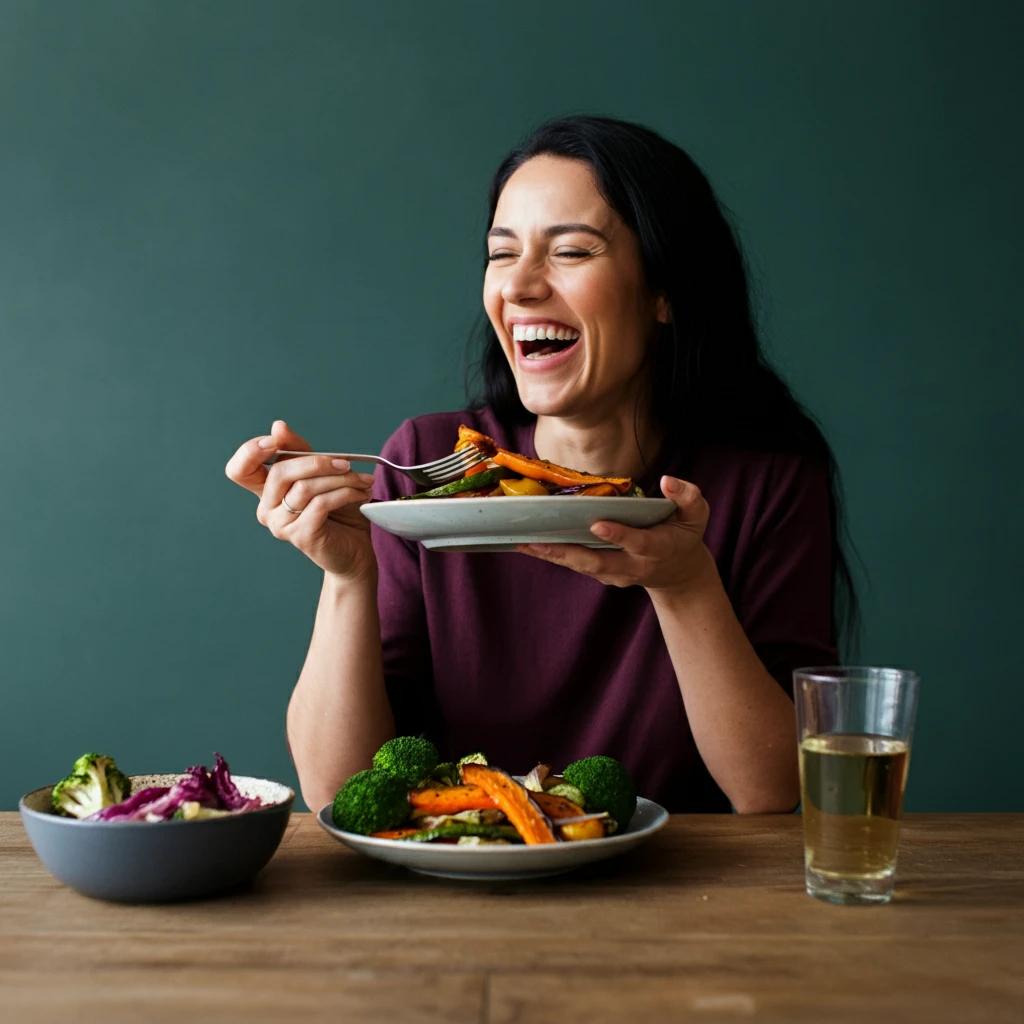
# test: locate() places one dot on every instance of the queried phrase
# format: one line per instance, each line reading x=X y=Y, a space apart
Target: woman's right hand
x=328 y=528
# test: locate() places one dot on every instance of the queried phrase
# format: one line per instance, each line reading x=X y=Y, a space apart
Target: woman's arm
x=339 y=713
x=742 y=721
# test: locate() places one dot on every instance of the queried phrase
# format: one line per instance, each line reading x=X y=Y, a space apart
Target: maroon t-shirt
x=531 y=662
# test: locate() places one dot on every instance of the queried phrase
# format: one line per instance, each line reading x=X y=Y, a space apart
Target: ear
x=662 y=310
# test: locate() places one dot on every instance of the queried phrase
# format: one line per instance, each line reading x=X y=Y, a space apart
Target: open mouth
x=541 y=341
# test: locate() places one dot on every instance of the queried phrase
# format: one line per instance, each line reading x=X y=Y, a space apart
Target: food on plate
x=371 y=801
x=95 y=782
x=96 y=790
x=605 y=784
x=409 y=758
x=408 y=797
x=508 y=474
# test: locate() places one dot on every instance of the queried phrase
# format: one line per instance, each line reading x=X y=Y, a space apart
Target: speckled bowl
x=144 y=862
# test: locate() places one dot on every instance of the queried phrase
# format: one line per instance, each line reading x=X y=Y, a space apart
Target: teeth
x=532 y=332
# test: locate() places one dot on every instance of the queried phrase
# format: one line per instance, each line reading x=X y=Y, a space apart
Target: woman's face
x=565 y=292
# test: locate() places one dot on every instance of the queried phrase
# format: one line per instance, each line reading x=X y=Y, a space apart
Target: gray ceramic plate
x=143 y=862
x=499 y=524
x=494 y=863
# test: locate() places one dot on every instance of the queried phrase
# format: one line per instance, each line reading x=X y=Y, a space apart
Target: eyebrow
x=551 y=232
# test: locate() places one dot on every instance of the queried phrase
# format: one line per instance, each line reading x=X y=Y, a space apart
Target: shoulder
x=762 y=489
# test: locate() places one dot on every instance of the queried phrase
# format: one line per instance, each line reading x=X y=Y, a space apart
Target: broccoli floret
x=95 y=782
x=447 y=774
x=476 y=758
x=409 y=758
x=605 y=785
x=371 y=801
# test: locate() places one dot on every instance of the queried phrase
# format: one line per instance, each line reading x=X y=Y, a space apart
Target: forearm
x=339 y=713
x=742 y=721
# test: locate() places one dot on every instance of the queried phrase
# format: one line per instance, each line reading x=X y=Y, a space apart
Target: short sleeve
x=785 y=580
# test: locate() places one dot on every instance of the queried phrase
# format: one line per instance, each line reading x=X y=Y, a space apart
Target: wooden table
x=707 y=922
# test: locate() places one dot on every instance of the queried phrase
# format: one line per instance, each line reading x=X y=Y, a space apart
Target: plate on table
x=499 y=524
x=502 y=863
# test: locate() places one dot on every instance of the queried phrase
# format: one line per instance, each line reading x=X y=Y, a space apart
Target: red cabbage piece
x=230 y=798
x=209 y=789
x=126 y=809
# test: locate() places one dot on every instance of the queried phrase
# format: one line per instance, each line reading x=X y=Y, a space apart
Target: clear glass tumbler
x=854 y=727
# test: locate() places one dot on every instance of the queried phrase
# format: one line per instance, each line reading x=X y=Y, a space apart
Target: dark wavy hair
x=709 y=380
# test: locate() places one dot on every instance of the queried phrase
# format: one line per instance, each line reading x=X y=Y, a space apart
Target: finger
x=286 y=438
x=579 y=558
x=283 y=475
x=325 y=506
x=303 y=491
x=290 y=526
x=688 y=499
x=246 y=468
x=631 y=540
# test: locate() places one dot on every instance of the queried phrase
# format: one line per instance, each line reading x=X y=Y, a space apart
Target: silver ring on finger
x=294 y=511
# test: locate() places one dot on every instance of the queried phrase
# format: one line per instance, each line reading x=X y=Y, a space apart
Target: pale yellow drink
x=852 y=792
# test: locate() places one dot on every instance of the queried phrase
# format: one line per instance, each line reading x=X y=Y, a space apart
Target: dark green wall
x=212 y=214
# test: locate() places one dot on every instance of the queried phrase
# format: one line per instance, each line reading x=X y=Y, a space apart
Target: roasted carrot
x=514 y=801
x=600 y=491
x=538 y=469
x=451 y=800
x=394 y=833
x=557 y=806
x=468 y=436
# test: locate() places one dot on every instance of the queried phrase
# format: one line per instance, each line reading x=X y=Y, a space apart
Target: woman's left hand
x=668 y=557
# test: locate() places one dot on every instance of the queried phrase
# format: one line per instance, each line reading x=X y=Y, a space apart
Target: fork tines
x=454 y=465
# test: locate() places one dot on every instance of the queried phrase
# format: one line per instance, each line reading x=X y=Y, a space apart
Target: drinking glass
x=854 y=727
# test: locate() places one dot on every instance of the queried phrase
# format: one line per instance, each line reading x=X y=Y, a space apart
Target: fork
x=428 y=474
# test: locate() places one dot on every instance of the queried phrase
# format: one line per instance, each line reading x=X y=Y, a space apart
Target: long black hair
x=710 y=382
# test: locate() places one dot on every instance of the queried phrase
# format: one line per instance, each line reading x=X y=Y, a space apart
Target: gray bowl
x=144 y=862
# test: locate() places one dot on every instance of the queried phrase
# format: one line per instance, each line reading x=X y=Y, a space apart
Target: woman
x=620 y=342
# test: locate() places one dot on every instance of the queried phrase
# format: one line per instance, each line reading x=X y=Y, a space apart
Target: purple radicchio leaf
x=230 y=798
x=127 y=809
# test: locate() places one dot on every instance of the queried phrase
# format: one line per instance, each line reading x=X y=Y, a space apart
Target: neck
x=604 y=446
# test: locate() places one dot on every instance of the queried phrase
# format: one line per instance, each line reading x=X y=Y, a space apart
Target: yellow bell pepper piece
x=520 y=488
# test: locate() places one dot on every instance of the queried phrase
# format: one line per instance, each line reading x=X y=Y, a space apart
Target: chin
x=541 y=402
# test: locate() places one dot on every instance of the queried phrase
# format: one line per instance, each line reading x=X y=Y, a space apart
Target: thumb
x=285 y=437
x=688 y=499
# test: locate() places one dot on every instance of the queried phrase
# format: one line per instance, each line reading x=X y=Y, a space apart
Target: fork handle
x=335 y=455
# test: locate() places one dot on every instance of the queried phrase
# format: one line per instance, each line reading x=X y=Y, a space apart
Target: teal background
x=212 y=215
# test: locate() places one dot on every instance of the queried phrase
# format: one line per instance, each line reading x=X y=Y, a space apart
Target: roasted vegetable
x=447 y=774
x=473 y=482
x=455 y=829
x=538 y=469
x=574 y=831
x=557 y=806
x=371 y=801
x=513 y=800
x=605 y=785
x=569 y=791
x=450 y=799
x=476 y=758
x=523 y=488
x=95 y=782
x=409 y=758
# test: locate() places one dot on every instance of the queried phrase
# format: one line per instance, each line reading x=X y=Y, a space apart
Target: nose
x=526 y=283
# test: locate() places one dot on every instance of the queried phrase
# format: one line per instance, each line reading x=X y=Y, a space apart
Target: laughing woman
x=619 y=341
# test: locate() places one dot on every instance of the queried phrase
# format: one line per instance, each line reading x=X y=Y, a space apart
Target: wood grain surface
x=707 y=922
